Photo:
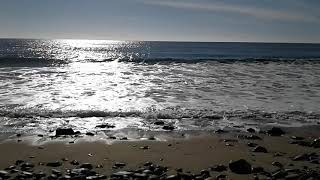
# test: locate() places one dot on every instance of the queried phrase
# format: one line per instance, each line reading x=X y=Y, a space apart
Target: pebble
x=86 y=165
x=105 y=126
x=168 y=127
x=251 y=130
x=54 y=164
x=275 y=131
x=144 y=147
x=159 y=123
x=260 y=149
x=89 y=134
x=74 y=162
x=64 y=131
x=240 y=166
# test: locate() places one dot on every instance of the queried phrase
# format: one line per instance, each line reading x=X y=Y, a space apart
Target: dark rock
x=105 y=126
x=250 y=144
x=172 y=177
x=240 y=166
x=86 y=165
x=122 y=174
x=18 y=135
x=251 y=130
x=168 y=127
x=220 y=131
x=275 y=131
x=219 y=168
x=56 y=172
x=221 y=176
x=148 y=164
x=205 y=173
x=10 y=168
x=89 y=134
x=65 y=159
x=230 y=140
x=159 y=123
x=4 y=174
x=40 y=135
x=278 y=164
x=316 y=143
x=64 y=131
x=54 y=164
x=27 y=174
x=18 y=162
x=26 y=165
x=39 y=175
x=119 y=164
x=260 y=149
x=297 y=138
x=257 y=169
x=124 y=138
x=74 y=162
x=112 y=137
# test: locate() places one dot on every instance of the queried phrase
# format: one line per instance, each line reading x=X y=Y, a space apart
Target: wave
x=167 y=113
x=35 y=62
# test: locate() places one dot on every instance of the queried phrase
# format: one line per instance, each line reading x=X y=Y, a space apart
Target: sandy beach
x=199 y=156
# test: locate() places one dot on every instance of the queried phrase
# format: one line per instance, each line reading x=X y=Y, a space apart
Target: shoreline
x=195 y=153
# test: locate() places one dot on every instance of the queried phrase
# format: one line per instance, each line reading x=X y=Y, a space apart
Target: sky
x=163 y=20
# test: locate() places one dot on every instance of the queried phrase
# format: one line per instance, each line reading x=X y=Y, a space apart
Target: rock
x=18 y=162
x=64 y=131
x=112 y=137
x=297 y=138
x=26 y=165
x=89 y=134
x=219 y=168
x=18 y=135
x=74 y=162
x=251 y=130
x=275 y=131
x=39 y=175
x=219 y=131
x=316 y=143
x=86 y=165
x=257 y=169
x=145 y=147
x=168 y=127
x=54 y=164
x=250 y=144
x=122 y=174
x=148 y=164
x=205 y=173
x=240 y=166
x=221 y=177
x=278 y=164
x=124 y=138
x=159 y=123
x=260 y=149
x=65 y=159
x=119 y=164
x=4 y=174
x=105 y=126
x=172 y=177
x=56 y=172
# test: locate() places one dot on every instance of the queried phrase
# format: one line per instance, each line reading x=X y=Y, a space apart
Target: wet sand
x=191 y=154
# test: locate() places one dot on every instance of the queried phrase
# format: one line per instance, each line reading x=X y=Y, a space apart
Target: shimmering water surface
x=45 y=84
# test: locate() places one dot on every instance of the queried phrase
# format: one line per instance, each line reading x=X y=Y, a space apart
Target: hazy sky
x=177 y=20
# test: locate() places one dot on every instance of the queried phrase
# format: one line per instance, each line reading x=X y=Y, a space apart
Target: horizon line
x=176 y=41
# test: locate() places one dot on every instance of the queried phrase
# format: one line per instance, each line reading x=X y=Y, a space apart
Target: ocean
x=46 y=84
